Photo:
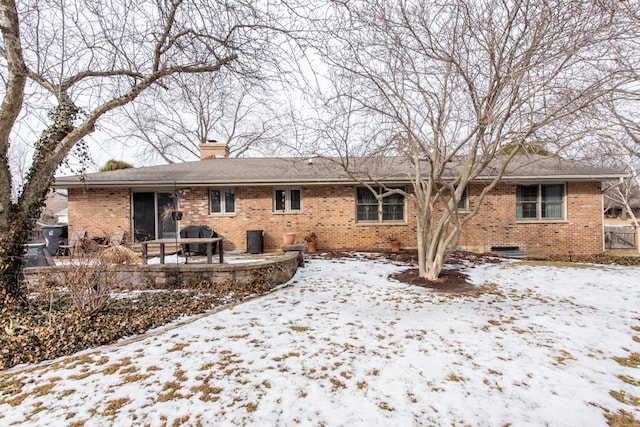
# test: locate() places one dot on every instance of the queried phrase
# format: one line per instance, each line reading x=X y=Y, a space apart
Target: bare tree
x=89 y=58
x=618 y=143
x=198 y=107
x=615 y=123
x=446 y=85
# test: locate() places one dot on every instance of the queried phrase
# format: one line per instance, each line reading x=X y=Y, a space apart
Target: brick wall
x=329 y=211
x=496 y=225
x=100 y=212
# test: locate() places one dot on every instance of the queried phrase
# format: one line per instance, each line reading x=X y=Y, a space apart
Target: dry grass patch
x=10 y=386
x=128 y=370
x=455 y=378
x=180 y=421
x=207 y=392
x=102 y=360
x=112 y=369
x=180 y=375
x=627 y=379
x=81 y=376
x=346 y=375
x=238 y=337
x=633 y=361
x=177 y=347
x=623 y=397
x=285 y=356
x=336 y=384
x=134 y=378
x=170 y=392
x=385 y=406
x=621 y=419
x=251 y=407
x=564 y=355
x=114 y=406
x=299 y=328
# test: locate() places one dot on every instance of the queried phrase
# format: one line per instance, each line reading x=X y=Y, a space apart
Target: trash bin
x=54 y=235
x=36 y=255
x=255 y=243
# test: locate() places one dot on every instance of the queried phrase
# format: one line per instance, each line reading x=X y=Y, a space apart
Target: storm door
x=148 y=220
x=166 y=224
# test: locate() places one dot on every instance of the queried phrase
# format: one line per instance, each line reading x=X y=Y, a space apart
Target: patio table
x=208 y=241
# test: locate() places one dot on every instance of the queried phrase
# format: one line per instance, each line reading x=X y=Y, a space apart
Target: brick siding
x=100 y=212
x=329 y=211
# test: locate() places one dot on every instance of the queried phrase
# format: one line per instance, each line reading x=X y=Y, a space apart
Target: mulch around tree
x=450 y=280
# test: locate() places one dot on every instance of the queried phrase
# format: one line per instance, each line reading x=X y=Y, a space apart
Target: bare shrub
x=89 y=282
x=119 y=254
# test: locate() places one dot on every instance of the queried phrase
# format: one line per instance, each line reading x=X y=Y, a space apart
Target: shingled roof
x=318 y=171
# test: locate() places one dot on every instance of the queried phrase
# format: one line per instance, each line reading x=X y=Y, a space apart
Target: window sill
x=288 y=212
x=218 y=215
x=542 y=221
x=380 y=224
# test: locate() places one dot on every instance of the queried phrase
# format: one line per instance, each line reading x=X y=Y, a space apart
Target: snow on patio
x=343 y=345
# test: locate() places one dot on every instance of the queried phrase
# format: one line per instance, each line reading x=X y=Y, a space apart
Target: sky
x=342 y=344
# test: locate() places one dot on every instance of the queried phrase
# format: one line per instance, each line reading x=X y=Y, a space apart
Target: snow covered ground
x=344 y=345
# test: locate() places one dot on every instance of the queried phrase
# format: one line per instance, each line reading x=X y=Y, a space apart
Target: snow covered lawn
x=343 y=345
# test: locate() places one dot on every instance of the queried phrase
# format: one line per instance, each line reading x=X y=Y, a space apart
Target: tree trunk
x=431 y=252
x=436 y=240
x=21 y=216
x=12 y=251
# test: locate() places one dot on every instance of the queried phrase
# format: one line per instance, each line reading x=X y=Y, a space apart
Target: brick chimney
x=213 y=149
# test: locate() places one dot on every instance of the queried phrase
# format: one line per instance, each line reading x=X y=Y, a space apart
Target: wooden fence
x=620 y=237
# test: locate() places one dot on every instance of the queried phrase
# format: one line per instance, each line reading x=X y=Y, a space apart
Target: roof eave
x=247 y=183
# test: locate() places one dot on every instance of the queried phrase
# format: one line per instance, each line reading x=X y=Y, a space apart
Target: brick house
x=543 y=206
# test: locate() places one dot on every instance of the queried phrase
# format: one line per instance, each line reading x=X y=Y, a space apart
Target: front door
x=148 y=220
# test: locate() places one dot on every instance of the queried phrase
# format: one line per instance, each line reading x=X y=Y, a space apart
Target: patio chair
x=75 y=242
x=115 y=240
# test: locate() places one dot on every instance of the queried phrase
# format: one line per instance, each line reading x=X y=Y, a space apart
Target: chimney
x=213 y=149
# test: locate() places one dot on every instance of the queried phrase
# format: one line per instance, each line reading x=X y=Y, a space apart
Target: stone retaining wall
x=273 y=271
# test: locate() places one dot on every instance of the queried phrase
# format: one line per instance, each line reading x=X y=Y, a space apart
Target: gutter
x=250 y=183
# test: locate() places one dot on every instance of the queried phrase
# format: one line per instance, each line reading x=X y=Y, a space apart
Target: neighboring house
x=54 y=204
x=543 y=206
x=62 y=216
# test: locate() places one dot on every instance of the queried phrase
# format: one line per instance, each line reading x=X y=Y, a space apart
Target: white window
x=370 y=209
x=540 y=201
x=287 y=200
x=222 y=201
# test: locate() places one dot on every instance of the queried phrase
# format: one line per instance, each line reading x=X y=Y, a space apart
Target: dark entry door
x=144 y=216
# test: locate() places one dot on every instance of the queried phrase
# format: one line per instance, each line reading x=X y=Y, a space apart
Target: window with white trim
x=540 y=202
x=222 y=201
x=287 y=200
x=370 y=209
